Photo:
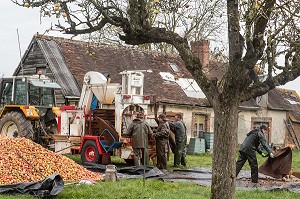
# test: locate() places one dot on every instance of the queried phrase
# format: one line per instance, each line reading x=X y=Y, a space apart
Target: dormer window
x=174 y=68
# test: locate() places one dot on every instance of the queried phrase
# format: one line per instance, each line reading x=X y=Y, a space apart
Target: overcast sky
x=27 y=21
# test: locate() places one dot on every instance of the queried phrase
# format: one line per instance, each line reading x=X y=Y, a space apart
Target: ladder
x=292 y=132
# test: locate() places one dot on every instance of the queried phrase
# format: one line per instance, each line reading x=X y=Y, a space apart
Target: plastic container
x=196 y=145
x=111 y=173
x=209 y=140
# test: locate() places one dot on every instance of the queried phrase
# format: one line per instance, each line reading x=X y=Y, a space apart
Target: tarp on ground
x=150 y=171
x=50 y=186
x=280 y=165
x=202 y=176
x=127 y=172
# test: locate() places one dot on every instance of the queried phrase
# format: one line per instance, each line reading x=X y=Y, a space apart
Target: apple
x=26 y=4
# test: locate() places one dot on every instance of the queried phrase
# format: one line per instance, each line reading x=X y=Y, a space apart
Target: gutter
x=249 y=107
x=184 y=105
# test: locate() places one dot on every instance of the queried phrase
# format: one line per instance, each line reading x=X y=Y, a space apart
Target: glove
x=271 y=155
x=264 y=155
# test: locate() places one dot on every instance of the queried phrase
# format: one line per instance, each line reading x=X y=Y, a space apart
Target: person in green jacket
x=249 y=147
x=179 y=129
x=140 y=131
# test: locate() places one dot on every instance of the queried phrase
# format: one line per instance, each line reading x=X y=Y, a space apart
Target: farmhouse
x=170 y=86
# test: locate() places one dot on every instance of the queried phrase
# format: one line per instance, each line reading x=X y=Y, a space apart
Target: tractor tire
x=90 y=153
x=15 y=124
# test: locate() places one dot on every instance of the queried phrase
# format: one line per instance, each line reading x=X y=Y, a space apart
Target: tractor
x=27 y=108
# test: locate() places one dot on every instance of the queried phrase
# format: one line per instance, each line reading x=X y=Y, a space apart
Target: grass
x=133 y=188
x=154 y=189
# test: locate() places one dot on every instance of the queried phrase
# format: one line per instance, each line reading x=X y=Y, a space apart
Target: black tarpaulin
x=202 y=176
x=127 y=172
x=50 y=186
x=150 y=171
x=94 y=167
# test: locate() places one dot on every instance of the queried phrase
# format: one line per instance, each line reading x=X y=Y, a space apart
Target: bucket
x=111 y=173
x=209 y=140
x=196 y=145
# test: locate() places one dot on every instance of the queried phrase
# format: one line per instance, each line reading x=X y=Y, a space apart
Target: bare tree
x=192 y=19
x=259 y=31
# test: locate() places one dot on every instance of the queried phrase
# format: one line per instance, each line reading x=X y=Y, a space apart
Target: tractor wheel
x=90 y=153
x=15 y=124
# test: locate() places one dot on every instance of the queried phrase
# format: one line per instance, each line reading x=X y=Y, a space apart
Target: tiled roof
x=277 y=101
x=293 y=100
x=82 y=57
x=250 y=103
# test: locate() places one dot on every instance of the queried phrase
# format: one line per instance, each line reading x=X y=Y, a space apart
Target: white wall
x=277 y=126
x=244 y=124
x=187 y=115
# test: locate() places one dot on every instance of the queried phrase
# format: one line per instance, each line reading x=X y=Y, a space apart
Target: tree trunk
x=224 y=152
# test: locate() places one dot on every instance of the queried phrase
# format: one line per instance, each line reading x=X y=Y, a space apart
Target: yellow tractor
x=27 y=107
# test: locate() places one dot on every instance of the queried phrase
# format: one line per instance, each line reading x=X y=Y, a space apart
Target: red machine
x=96 y=134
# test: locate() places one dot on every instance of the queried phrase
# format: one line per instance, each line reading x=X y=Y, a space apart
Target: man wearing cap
x=249 y=147
x=140 y=131
x=162 y=139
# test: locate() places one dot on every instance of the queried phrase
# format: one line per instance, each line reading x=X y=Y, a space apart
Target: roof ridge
x=93 y=44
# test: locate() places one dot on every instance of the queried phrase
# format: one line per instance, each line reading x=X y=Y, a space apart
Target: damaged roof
x=70 y=60
x=293 y=100
x=81 y=57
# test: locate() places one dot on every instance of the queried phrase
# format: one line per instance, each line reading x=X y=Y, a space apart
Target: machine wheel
x=15 y=124
x=90 y=153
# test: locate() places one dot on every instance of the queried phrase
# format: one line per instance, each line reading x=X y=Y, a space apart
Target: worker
x=180 y=139
x=140 y=131
x=247 y=151
x=162 y=138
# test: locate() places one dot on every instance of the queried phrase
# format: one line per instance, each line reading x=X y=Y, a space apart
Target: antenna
x=20 y=53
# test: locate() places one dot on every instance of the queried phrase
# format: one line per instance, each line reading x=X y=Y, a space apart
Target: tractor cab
x=25 y=90
x=27 y=107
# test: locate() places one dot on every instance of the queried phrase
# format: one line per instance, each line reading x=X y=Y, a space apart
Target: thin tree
x=259 y=32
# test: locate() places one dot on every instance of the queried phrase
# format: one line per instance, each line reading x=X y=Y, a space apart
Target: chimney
x=201 y=50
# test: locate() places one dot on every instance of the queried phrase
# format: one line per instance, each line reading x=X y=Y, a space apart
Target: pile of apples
x=22 y=160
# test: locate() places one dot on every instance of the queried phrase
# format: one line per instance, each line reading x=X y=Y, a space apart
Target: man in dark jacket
x=180 y=138
x=140 y=131
x=249 y=147
x=162 y=139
